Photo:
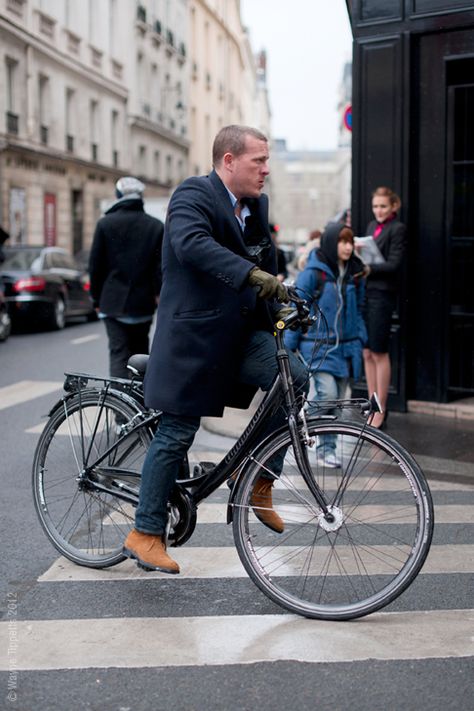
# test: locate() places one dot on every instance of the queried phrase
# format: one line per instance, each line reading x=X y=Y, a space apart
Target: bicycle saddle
x=137 y=364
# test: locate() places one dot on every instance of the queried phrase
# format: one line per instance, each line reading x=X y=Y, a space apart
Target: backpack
x=321 y=278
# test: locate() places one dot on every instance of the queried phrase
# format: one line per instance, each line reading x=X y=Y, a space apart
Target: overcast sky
x=307 y=44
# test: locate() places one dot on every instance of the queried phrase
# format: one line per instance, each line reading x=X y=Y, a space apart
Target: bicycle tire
x=86 y=525
x=376 y=546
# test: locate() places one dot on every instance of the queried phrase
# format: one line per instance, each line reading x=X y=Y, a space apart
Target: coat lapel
x=225 y=206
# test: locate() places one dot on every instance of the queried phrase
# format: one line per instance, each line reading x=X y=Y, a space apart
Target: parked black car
x=5 y=320
x=44 y=285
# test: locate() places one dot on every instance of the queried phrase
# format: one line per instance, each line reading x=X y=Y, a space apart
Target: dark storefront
x=413 y=129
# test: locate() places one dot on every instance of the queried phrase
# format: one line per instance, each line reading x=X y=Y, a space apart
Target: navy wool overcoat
x=207 y=309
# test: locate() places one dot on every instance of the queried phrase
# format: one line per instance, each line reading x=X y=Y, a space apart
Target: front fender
x=253 y=457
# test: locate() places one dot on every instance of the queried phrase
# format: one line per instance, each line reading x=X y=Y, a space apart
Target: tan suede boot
x=149 y=551
x=261 y=501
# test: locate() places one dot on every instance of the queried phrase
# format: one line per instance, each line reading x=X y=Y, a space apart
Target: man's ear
x=228 y=161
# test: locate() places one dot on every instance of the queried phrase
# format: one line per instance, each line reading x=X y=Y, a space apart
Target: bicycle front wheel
x=360 y=557
x=79 y=493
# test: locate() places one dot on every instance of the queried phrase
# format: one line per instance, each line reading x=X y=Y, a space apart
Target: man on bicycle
x=213 y=344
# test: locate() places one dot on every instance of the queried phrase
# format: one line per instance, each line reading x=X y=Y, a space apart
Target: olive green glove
x=268 y=285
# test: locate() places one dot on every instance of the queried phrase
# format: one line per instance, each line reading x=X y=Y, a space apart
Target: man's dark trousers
x=125 y=339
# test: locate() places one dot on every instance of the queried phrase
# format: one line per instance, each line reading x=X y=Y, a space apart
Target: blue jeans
x=176 y=433
x=328 y=387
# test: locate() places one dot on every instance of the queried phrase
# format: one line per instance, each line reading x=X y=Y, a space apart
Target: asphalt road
x=121 y=639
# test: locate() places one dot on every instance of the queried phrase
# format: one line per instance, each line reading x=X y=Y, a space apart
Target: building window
x=96 y=58
x=73 y=43
x=11 y=66
x=94 y=129
x=16 y=6
x=43 y=106
x=12 y=118
x=142 y=160
x=169 y=170
x=157 y=165
x=117 y=69
x=69 y=123
x=115 y=138
x=46 y=25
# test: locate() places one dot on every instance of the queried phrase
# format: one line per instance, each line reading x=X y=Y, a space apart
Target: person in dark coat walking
x=213 y=344
x=125 y=273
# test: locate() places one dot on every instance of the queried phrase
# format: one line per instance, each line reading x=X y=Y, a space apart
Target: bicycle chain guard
x=182 y=516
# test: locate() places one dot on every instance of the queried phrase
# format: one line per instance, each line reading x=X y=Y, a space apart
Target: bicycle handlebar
x=301 y=316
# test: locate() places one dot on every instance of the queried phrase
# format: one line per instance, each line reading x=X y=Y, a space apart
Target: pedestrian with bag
x=125 y=273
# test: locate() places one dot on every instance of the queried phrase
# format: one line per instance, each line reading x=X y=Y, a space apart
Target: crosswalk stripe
x=217 y=513
x=36 y=429
x=85 y=339
x=26 y=390
x=443 y=466
x=224 y=562
x=243 y=639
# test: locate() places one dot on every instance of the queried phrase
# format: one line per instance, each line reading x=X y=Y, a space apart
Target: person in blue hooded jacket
x=334 y=278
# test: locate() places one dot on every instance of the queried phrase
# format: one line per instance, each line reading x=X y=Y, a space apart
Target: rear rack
x=73 y=382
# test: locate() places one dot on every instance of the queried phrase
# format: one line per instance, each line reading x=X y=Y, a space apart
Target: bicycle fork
x=301 y=452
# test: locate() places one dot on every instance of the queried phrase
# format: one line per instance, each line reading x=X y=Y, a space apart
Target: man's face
x=247 y=172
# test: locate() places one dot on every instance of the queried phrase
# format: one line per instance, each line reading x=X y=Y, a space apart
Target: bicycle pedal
x=203 y=468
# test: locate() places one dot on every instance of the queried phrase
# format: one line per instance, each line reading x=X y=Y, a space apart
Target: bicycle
x=354 y=538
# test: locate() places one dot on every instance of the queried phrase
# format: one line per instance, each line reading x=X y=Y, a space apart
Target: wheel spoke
x=360 y=555
x=79 y=504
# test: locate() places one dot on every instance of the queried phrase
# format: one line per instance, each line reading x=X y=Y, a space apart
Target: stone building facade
x=90 y=91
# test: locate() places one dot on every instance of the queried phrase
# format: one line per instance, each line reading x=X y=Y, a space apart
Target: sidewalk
x=440 y=437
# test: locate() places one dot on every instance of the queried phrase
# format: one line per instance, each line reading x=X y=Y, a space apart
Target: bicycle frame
x=198 y=488
x=281 y=393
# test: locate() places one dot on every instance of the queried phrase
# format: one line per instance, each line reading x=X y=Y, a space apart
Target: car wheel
x=5 y=325
x=58 y=316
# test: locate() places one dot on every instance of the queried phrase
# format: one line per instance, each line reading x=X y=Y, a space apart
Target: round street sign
x=348 y=117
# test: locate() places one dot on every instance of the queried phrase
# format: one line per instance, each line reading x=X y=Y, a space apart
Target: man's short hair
x=231 y=139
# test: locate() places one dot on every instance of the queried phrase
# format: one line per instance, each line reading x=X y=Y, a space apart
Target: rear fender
x=117 y=393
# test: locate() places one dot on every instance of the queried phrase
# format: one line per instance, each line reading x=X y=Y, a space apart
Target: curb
x=460 y=410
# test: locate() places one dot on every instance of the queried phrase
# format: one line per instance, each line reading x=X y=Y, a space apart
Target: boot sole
x=147 y=566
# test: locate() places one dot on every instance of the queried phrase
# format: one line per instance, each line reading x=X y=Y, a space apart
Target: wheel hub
x=332 y=521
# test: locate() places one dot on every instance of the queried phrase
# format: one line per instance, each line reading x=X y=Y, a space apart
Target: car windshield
x=22 y=259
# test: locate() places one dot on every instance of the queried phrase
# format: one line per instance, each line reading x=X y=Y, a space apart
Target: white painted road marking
x=26 y=390
x=85 y=339
x=243 y=639
x=223 y=562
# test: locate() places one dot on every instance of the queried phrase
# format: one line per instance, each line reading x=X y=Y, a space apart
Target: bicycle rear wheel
x=372 y=550
x=77 y=498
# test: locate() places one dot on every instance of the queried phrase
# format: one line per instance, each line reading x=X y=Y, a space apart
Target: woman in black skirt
x=382 y=287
